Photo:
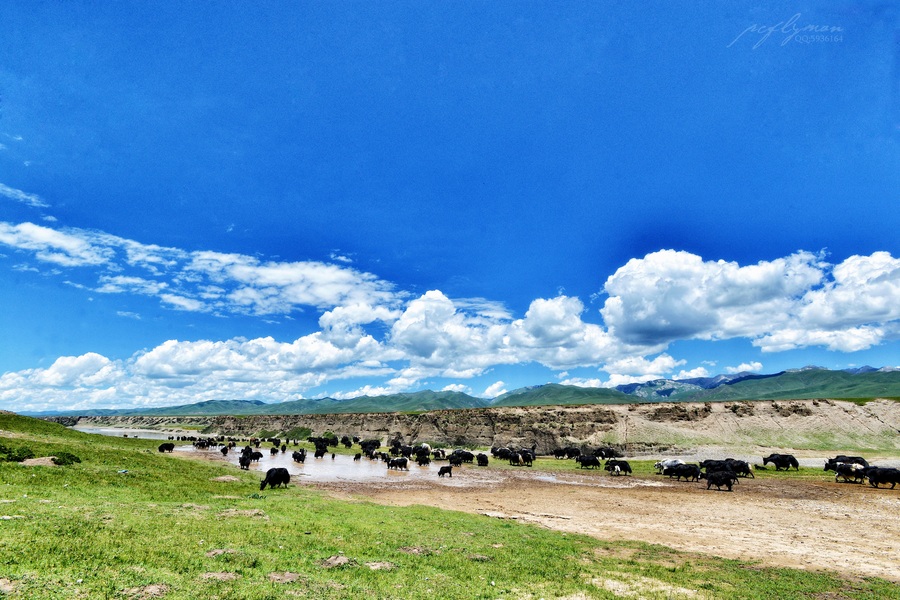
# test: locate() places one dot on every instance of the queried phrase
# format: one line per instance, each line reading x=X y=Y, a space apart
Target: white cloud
x=120 y=284
x=784 y=304
x=181 y=303
x=639 y=365
x=19 y=196
x=50 y=245
x=692 y=374
x=752 y=367
x=369 y=329
x=457 y=387
x=553 y=334
x=616 y=379
x=205 y=281
x=441 y=340
x=850 y=339
x=90 y=369
x=495 y=389
x=334 y=256
x=581 y=382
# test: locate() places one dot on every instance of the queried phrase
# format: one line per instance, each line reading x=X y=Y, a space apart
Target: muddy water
x=343 y=469
x=147 y=434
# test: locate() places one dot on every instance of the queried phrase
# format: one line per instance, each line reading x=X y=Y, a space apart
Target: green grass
x=127 y=518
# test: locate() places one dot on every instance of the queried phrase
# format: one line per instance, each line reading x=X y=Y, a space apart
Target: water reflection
x=342 y=468
x=147 y=434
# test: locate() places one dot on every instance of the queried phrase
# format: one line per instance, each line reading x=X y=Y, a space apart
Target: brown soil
x=849 y=528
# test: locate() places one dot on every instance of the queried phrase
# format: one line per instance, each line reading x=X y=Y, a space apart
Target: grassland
x=128 y=522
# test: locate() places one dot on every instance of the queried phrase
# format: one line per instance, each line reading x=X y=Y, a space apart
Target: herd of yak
x=718 y=473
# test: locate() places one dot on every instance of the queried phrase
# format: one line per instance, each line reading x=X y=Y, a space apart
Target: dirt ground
x=849 y=528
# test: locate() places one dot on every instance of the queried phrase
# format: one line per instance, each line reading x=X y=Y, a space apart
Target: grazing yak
x=689 y=472
x=848 y=471
x=399 y=464
x=782 y=461
x=587 y=461
x=482 y=459
x=167 y=447
x=275 y=477
x=568 y=452
x=720 y=478
x=244 y=462
x=883 y=475
x=662 y=465
x=843 y=458
x=617 y=467
x=445 y=471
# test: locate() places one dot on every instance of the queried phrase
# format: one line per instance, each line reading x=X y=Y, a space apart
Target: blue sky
x=286 y=200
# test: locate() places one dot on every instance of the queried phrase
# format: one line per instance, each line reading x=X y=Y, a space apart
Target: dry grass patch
x=253 y=512
x=634 y=586
x=226 y=479
x=286 y=577
x=44 y=461
x=417 y=550
x=220 y=576
x=156 y=590
x=337 y=560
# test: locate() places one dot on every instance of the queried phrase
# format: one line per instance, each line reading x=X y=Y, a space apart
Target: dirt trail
x=848 y=528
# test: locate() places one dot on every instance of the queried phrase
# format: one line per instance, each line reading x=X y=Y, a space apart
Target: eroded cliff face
x=657 y=427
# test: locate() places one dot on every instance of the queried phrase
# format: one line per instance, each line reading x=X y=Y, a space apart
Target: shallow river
x=147 y=434
x=341 y=468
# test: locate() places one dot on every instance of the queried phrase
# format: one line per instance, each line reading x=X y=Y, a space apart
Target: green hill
x=407 y=402
x=809 y=383
x=557 y=394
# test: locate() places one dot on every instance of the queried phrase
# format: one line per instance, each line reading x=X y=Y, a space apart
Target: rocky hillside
x=655 y=427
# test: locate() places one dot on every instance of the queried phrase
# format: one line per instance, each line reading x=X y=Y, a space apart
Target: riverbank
x=660 y=428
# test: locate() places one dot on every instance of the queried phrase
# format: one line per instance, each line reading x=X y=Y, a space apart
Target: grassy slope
x=813 y=383
x=556 y=394
x=91 y=530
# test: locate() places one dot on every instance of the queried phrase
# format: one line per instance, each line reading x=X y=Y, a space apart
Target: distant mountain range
x=808 y=382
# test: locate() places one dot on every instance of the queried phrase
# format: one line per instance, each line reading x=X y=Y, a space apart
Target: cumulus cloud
x=639 y=365
x=554 y=334
x=367 y=328
x=457 y=387
x=90 y=369
x=495 y=389
x=582 y=382
x=617 y=379
x=670 y=295
x=692 y=373
x=783 y=304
